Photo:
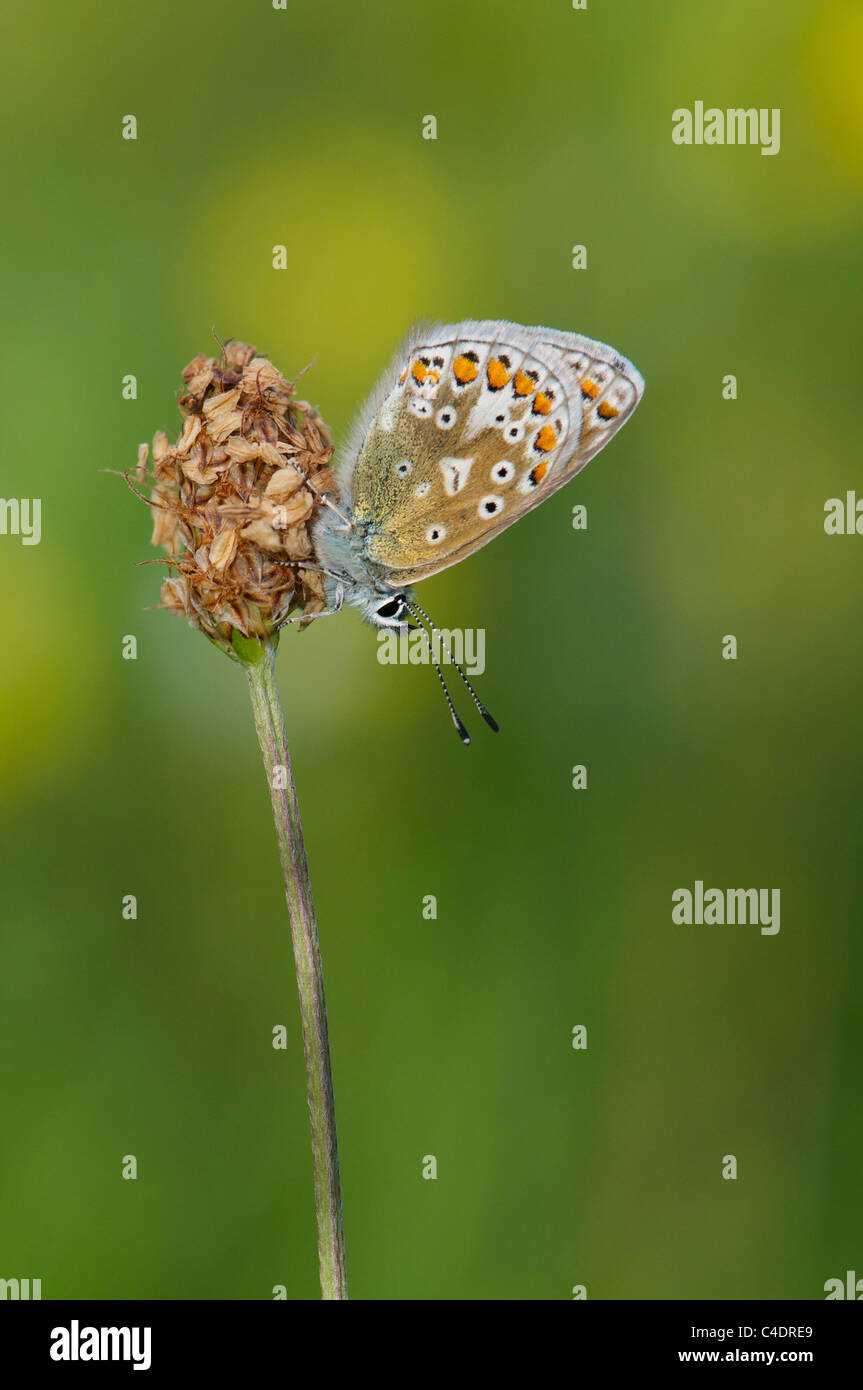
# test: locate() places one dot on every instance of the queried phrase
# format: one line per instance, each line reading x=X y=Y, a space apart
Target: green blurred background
x=452 y=1037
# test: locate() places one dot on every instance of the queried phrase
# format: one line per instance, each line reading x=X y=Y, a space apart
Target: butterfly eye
x=503 y=471
x=404 y=468
x=514 y=433
x=445 y=419
x=392 y=609
x=435 y=534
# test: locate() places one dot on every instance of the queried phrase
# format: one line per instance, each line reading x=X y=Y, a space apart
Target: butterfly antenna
x=459 y=727
x=420 y=612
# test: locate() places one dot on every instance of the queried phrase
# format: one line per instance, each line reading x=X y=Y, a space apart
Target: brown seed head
x=229 y=500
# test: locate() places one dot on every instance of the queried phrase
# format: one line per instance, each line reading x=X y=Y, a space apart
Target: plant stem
x=270 y=726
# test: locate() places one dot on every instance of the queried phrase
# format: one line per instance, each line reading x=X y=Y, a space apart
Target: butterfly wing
x=478 y=424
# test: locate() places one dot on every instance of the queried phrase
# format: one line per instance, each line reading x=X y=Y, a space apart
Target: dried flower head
x=229 y=502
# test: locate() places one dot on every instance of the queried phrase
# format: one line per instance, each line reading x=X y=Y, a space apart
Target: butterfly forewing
x=482 y=422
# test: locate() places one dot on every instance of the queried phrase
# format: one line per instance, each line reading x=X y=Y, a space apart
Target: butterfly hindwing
x=479 y=423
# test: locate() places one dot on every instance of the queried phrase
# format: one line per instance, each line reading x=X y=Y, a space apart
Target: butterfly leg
x=321 y=497
x=324 y=500
x=303 y=565
x=324 y=613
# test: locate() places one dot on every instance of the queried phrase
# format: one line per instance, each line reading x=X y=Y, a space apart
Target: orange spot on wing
x=465 y=370
x=419 y=372
x=498 y=375
x=538 y=473
x=542 y=404
x=589 y=388
x=433 y=376
x=546 y=439
x=522 y=386
x=403 y=377
x=606 y=411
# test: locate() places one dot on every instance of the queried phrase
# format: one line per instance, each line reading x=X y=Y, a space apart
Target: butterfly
x=473 y=426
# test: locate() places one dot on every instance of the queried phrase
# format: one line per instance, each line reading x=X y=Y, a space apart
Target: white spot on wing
x=455 y=474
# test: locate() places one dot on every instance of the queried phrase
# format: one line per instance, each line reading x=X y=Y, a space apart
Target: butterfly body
x=474 y=425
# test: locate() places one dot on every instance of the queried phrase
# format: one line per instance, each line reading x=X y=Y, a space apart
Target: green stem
x=270 y=726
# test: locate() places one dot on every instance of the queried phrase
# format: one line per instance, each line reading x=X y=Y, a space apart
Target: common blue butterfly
x=474 y=425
